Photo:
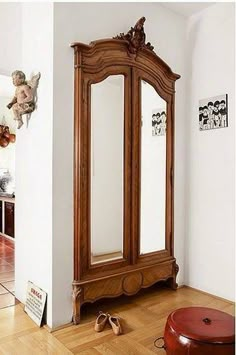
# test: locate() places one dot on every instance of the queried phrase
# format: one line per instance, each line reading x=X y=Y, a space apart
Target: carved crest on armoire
x=123 y=168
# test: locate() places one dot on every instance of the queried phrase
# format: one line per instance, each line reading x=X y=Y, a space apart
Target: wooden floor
x=7 y=274
x=143 y=320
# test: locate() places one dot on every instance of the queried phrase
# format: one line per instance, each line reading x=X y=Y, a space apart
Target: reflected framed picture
x=159 y=122
x=213 y=112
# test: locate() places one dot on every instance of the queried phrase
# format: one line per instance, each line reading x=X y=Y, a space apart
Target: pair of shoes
x=113 y=321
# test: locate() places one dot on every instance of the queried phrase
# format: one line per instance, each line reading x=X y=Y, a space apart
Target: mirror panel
x=153 y=170
x=107 y=169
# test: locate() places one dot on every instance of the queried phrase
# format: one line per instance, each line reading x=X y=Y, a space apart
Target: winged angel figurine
x=24 y=100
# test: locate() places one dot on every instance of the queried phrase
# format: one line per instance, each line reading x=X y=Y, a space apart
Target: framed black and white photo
x=213 y=112
x=159 y=122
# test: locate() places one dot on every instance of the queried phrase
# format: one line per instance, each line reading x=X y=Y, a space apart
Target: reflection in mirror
x=107 y=142
x=153 y=170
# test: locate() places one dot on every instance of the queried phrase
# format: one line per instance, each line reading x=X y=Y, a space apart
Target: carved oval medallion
x=132 y=283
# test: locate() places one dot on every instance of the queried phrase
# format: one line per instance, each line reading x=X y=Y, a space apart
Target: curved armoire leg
x=172 y=281
x=76 y=295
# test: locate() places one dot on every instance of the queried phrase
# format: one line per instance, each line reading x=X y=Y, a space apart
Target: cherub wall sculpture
x=24 y=100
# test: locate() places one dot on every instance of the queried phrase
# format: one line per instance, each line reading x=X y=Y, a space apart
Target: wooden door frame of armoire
x=128 y=55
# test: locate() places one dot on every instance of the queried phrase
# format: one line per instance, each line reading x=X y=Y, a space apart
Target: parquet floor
x=19 y=335
x=143 y=319
x=7 y=275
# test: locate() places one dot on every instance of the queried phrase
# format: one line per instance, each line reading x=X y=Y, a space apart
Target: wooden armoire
x=123 y=168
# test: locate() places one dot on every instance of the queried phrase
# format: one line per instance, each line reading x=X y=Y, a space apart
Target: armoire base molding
x=128 y=283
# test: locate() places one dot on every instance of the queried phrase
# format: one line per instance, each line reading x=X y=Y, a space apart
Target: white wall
x=80 y=22
x=211 y=154
x=10 y=59
x=33 y=219
x=10 y=37
x=7 y=155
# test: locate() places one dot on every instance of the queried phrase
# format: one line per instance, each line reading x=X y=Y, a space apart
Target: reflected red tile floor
x=7 y=273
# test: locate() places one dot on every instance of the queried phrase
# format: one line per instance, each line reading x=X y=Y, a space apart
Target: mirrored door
x=153 y=170
x=107 y=169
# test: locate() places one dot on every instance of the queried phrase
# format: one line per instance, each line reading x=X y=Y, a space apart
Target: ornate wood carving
x=132 y=283
x=127 y=283
x=76 y=301
x=93 y=64
x=136 y=37
x=172 y=281
x=176 y=270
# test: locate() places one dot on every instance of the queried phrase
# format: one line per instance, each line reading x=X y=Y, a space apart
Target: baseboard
x=209 y=294
x=181 y=286
x=54 y=329
x=7 y=237
x=45 y=326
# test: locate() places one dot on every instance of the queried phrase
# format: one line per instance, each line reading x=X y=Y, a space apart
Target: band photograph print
x=213 y=112
x=159 y=122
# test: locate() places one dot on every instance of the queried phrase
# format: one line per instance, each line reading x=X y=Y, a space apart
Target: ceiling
x=187 y=8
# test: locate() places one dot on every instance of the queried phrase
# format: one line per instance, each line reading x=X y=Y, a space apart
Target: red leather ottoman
x=199 y=331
